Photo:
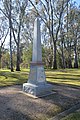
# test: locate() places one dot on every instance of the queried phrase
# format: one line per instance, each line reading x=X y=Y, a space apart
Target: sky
x=77 y=1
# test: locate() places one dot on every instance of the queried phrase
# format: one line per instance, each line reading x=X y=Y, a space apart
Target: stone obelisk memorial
x=37 y=84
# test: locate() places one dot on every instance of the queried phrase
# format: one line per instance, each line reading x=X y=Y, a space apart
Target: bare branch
x=3 y=13
x=5 y=38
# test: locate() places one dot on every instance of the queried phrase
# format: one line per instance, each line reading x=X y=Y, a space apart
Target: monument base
x=37 y=90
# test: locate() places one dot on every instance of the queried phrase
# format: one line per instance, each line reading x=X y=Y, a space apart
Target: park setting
x=39 y=60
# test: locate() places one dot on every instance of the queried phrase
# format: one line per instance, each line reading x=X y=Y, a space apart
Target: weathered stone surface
x=37 y=90
x=37 y=52
x=37 y=75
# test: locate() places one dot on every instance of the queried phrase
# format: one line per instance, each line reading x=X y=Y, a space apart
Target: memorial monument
x=37 y=84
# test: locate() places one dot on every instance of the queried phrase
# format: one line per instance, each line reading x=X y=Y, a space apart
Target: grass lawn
x=67 y=76
x=12 y=78
x=73 y=116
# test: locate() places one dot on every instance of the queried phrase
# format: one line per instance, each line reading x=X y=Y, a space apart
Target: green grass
x=67 y=76
x=11 y=78
x=73 y=116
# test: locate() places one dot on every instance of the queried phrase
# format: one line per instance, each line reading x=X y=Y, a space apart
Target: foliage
x=26 y=56
x=6 y=60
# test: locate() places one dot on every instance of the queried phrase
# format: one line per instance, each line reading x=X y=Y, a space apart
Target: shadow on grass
x=63 y=78
x=58 y=76
x=63 y=70
x=11 y=78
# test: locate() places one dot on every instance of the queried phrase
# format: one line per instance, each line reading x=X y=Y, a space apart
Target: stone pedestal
x=37 y=84
x=38 y=90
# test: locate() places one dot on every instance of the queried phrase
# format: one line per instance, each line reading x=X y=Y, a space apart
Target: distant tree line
x=60 y=32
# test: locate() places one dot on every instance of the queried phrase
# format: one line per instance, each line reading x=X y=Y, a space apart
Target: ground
x=16 y=105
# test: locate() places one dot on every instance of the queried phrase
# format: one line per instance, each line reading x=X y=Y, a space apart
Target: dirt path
x=14 y=105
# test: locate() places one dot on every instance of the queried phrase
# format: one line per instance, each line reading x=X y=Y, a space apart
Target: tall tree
x=68 y=39
x=15 y=12
x=6 y=10
x=76 y=31
x=4 y=30
x=19 y=9
x=10 y=26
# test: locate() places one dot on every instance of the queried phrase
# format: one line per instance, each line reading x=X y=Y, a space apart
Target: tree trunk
x=11 y=60
x=63 y=60
x=54 y=57
x=69 y=57
x=18 y=59
x=62 y=46
x=69 y=46
x=18 y=51
x=10 y=24
x=69 y=62
x=0 y=61
x=75 y=57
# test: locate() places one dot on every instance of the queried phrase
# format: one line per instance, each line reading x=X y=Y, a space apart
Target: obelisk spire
x=37 y=51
